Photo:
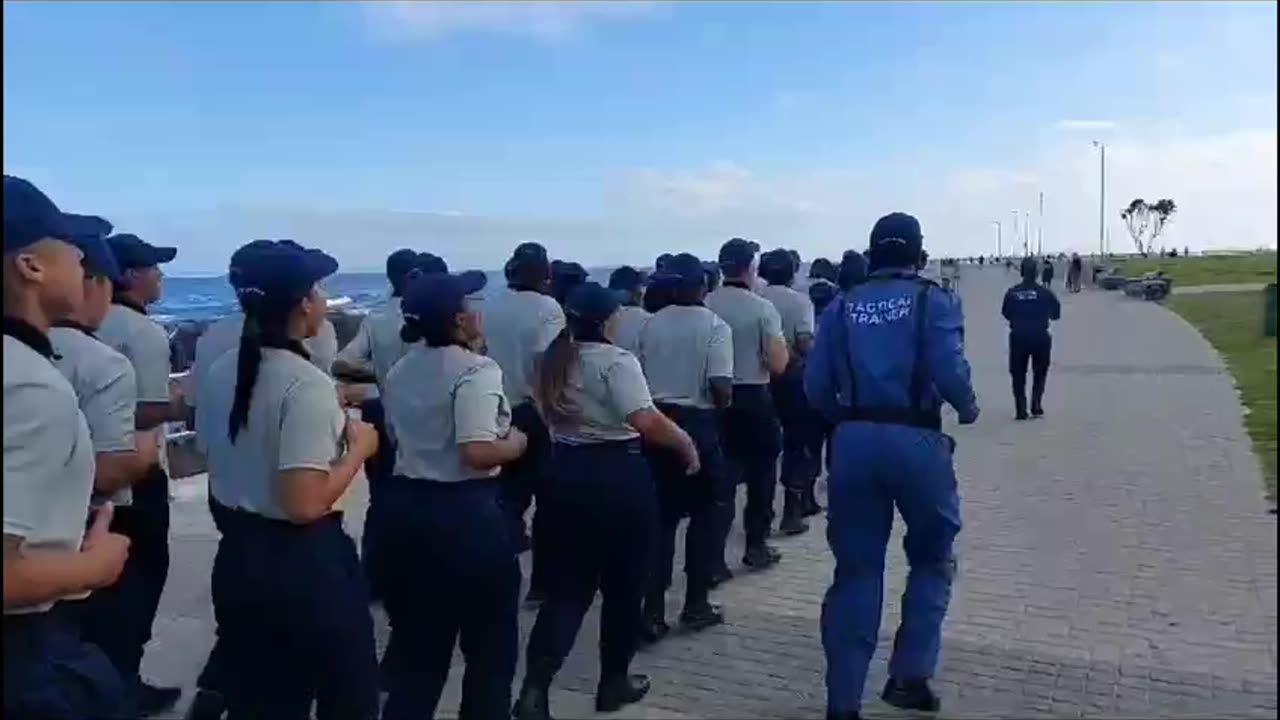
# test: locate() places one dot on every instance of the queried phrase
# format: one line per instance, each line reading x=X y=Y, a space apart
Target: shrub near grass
x=1207 y=269
x=1232 y=322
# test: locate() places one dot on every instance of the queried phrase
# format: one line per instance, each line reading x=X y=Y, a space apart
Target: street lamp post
x=999 y=238
x=1040 y=228
x=1102 y=197
x=1026 y=234
x=1015 y=226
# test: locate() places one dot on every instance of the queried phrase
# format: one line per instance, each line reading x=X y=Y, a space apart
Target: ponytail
x=551 y=377
x=264 y=326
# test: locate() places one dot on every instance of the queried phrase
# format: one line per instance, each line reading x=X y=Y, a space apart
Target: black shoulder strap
x=918 y=365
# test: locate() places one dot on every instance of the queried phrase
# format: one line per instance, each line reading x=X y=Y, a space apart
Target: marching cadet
x=288 y=593
x=778 y=269
x=49 y=672
x=107 y=391
x=751 y=435
x=853 y=270
x=129 y=331
x=822 y=293
x=631 y=316
x=888 y=354
x=822 y=269
x=452 y=425
x=686 y=353
x=221 y=337
x=519 y=324
x=598 y=504
x=1029 y=307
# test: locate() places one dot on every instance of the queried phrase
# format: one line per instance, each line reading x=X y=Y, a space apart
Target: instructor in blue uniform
x=1029 y=307
x=889 y=352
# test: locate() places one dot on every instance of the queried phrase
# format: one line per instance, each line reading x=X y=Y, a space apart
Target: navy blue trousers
x=521 y=479
x=681 y=496
x=752 y=441
x=118 y=618
x=293 y=621
x=876 y=469
x=1036 y=350
x=794 y=417
x=601 y=515
x=51 y=674
x=450 y=577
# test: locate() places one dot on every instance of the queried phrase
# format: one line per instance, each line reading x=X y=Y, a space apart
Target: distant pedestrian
x=1046 y=272
x=1029 y=308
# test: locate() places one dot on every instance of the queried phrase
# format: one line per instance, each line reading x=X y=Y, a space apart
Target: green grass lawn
x=1206 y=270
x=1232 y=322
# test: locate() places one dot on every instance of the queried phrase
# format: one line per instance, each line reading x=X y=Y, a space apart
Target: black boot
x=534 y=703
x=792 y=515
x=698 y=618
x=1020 y=407
x=1037 y=410
x=721 y=575
x=811 y=506
x=207 y=705
x=654 y=626
x=851 y=715
x=152 y=700
x=761 y=556
x=911 y=695
x=617 y=691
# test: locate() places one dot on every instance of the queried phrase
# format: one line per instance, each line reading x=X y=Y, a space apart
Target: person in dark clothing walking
x=1029 y=308
x=1046 y=272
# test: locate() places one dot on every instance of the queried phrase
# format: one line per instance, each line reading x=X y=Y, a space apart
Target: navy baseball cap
x=399 y=263
x=777 y=260
x=134 y=252
x=737 y=254
x=429 y=263
x=30 y=216
x=822 y=292
x=897 y=229
x=592 y=302
x=684 y=269
x=528 y=255
x=281 y=270
x=99 y=260
x=90 y=233
x=568 y=271
x=853 y=268
x=822 y=268
x=438 y=297
x=627 y=278
x=662 y=260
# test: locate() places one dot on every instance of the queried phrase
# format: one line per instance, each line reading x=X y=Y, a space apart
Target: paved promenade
x=1116 y=561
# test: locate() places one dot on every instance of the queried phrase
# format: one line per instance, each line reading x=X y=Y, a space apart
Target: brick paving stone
x=1116 y=560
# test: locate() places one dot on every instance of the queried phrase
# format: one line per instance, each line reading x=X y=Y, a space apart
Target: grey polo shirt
x=294 y=422
x=605 y=387
x=681 y=349
x=753 y=320
x=518 y=326
x=627 y=325
x=48 y=456
x=437 y=399
x=794 y=308
x=377 y=345
x=105 y=387
x=223 y=336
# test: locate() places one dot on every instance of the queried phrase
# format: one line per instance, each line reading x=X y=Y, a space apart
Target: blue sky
x=614 y=131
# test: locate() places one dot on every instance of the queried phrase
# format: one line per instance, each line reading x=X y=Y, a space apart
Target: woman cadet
x=291 y=602
x=451 y=425
x=599 y=498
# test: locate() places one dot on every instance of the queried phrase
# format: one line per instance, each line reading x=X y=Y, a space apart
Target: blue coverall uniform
x=888 y=353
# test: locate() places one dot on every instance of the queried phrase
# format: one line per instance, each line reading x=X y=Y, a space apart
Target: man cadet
x=752 y=437
x=145 y=343
x=107 y=392
x=49 y=672
x=778 y=268
x=889 y=352
x=631 y=316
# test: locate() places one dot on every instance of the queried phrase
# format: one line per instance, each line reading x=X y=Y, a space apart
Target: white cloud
x=1086 y=125
x=548 y=20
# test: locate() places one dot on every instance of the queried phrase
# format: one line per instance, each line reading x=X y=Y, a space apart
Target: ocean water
x=209 y=298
